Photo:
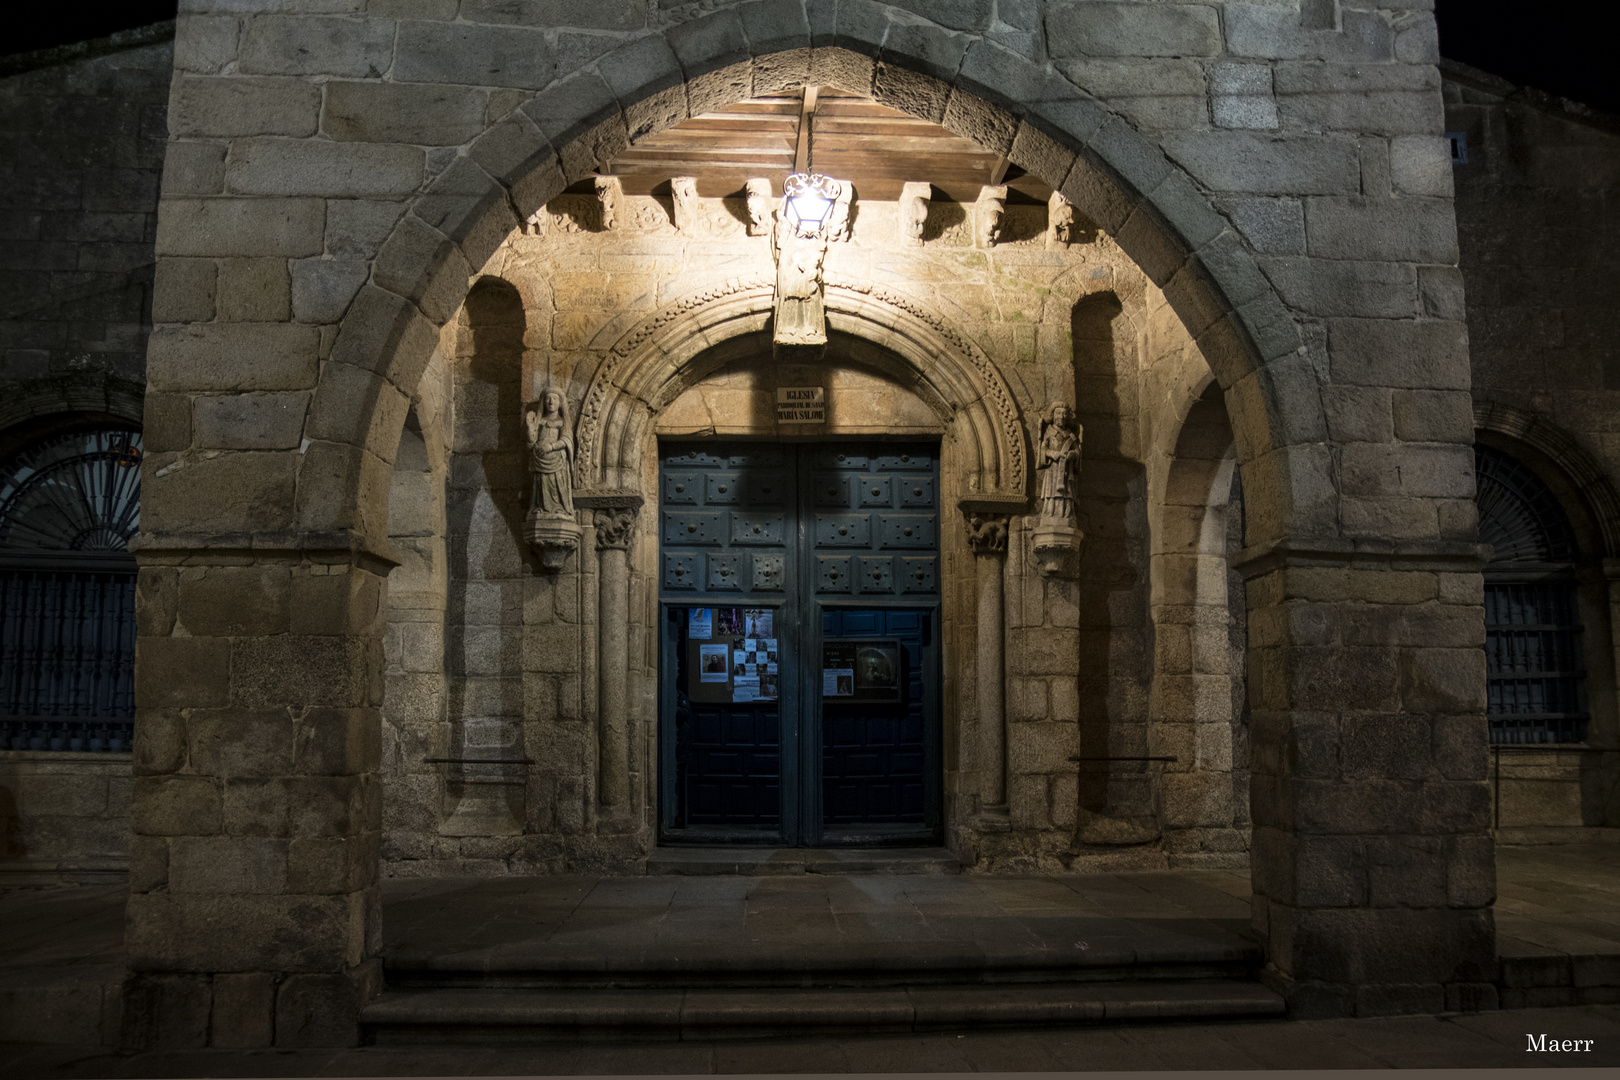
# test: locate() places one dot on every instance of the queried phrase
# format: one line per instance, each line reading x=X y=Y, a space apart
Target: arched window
x=69 y=505
x=1533 y=647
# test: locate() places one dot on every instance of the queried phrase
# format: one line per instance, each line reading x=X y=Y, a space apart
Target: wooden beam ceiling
x=850 y=137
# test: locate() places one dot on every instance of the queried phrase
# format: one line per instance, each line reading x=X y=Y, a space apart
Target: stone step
x=505 y=1015
x=1202 y=951
x=771 y=862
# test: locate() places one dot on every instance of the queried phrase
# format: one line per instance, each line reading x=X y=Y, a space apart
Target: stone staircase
x=749 y=990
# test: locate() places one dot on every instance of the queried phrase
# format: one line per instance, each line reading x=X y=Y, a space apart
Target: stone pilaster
x=254 y=916
x=1374 y=868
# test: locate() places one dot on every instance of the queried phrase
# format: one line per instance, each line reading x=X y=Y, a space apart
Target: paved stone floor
x=1561 y=899
x=811 y=918
x=1489 y=1040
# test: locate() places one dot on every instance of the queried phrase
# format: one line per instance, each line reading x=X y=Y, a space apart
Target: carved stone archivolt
x=643 y=368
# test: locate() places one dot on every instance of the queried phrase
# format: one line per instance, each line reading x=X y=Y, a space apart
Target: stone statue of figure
x=1059 y=455
x=800 y=310
x=551 y=456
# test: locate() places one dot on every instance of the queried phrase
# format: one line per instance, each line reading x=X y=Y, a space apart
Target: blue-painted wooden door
x=821 y=544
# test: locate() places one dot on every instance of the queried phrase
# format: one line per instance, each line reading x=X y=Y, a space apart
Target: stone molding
x=1583 y=470
x=1378 y=555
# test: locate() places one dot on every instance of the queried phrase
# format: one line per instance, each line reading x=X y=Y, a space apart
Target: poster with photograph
x=862 y=670
x=759 y=622
x=728 y=622
x=700 y=623
x=712 y=663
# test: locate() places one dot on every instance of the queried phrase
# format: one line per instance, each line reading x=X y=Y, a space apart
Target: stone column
x=1373 y=866
x=254 y=916
x=987 y=536
x=615 y=521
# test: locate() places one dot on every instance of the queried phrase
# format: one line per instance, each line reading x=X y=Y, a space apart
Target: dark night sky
x=1561 y=46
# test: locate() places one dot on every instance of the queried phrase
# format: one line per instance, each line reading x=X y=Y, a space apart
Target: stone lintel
x=609 y=499
x=1383 y=555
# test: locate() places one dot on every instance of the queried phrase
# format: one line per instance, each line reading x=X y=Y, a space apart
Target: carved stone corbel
x=610 y=197
x=990 y=213
x=914 y=199
x=1059 y=221
x=688 y=210
x=841 y=221
x=759 y=206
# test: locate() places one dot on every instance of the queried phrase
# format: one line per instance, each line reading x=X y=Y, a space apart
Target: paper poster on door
x=713 y=661
x=700 y=623
x=861 y=670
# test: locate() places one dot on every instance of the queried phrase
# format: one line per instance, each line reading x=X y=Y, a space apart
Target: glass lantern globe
x=807 y=200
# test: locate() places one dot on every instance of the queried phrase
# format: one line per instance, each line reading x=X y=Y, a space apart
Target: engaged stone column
x=987 y=536
x=1372 y=858
x=615 y=521
x=254 y=916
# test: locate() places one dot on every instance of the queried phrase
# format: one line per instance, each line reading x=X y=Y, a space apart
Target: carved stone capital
x=615 y=527
x=986 y=532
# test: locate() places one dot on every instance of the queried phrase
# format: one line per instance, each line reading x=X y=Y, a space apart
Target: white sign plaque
x=801 y=405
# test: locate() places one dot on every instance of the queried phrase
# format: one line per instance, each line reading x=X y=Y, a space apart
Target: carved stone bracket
x=610 y=193
x=1057 y=550
x=989 y=214
x=914 y=198
x=553 y=538
x=759 y=206
x=688 y=210
x=1060 y=221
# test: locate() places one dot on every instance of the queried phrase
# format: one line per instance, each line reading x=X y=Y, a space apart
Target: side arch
x=1591 y=483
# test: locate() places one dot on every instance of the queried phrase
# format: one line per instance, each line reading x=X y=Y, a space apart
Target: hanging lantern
x=807 y=200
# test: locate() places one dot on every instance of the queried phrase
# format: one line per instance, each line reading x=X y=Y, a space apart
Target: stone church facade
x=1149 y=364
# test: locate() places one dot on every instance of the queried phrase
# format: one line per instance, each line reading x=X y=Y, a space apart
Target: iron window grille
x=1534 y=648
x=69 y=505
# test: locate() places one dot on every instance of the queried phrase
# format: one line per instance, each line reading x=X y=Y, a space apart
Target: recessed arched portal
x=310 y=669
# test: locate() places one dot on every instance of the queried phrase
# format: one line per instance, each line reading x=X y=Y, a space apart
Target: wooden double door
x=799 y=669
